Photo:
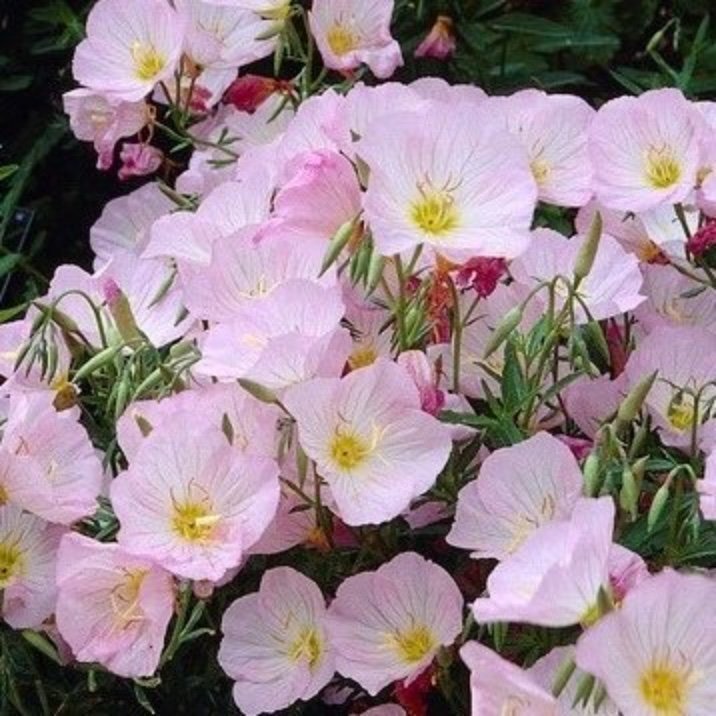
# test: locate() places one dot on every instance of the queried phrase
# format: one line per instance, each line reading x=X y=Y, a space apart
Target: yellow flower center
x=148 y=63
x=348 y=450
x=194 y=521
x=307 y=647
x=647 y=251
x=4 y=497
x=280 y=12
x=664 y=689
x=435 y=213
x=540 y=171
x=125 y=598
x=414 y=644
x=662 y=169
x=341 y=40
x=362 y=356
x=11 y=563
x=681 y=414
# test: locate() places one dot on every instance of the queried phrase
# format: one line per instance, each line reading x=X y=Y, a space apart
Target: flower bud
x=440 y=41
x=632 y=404
x=591 y=471
x=657 y=506
x=509 y=323
x=588 y=251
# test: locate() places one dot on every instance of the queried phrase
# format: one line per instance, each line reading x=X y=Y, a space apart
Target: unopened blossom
x=192 y=501
x=555 y=577
x=440 y=42
x=388 y=625
x=645 y=150
x=499 y=687
x=456 y=181
x=657 y=654
x=112 y=608
x=28 y=553
x=350 y=33
x=96 y=118
x=553 y=130
x=681 y=398
x=275 y=646
x=131 y=45
x=139 y=160
x=370 y=439
x=518 y=489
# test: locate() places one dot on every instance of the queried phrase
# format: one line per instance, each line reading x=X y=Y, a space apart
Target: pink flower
x=275 y=645
x=321 y=195
x=131 y=45
x=112 y=607
x=423 y=190
x=657 y=653
x=370 y=439
x=592 y=401
x=52 y=467
x=388 y=625
x=354 y=32
x=518 y=490
x=553 y=130
x=500 y=687
x=28 y=551
x=191 y=501
x=125 y=222
x=682 y=394
x=242 y=271
x=138 y=160
x=611 y=288
x=675 y=300
x=555 y=577
x=481 y=274
x=291 y=335
x=645 y=150
x=707 y=489
x=96 y=118
x=440 y=42
x=251 y=425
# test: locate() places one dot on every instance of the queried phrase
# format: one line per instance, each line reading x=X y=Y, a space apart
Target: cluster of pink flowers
x=304 y=338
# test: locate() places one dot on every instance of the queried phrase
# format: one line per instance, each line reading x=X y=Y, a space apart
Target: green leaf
x=513 y=382
x=8 y=170
x=8 y=263
x=6 y=314
x=525 y=24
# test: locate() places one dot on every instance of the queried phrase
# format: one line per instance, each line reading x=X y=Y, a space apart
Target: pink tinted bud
x=203 y=588
x=200 y=96
x=440 y=41
x=139 y=160
x=703 y=240
x=247 y=93
x=111 y=292
x=482 y=274
x=580 y=447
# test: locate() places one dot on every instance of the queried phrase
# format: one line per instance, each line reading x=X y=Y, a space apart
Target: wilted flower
x=440 y=42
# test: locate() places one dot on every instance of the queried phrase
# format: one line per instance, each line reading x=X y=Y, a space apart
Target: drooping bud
x=440 y=42
x=509 y=323
x=658 y=504
x=588 y=251
x=121 y=311
x=591 y=471
x=632 y=404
